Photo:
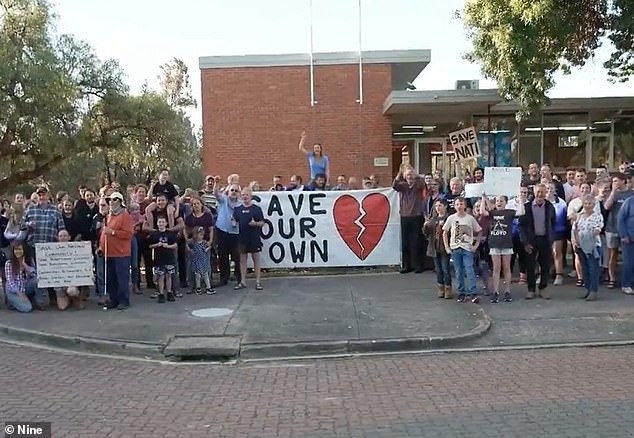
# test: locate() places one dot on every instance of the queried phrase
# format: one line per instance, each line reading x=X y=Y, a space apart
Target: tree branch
x=25 y=175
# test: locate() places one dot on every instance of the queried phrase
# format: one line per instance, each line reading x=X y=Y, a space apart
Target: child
x=250 y=219
x=460 y=226
x=199 y=249
x=163 y=242
x=436 y=248
x=482 y=260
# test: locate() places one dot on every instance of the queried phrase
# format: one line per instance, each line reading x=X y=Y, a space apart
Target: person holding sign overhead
x=317 y=161
x=249 y=218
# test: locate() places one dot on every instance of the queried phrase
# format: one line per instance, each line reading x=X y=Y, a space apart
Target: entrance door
x=430 y=156
x=599 y=151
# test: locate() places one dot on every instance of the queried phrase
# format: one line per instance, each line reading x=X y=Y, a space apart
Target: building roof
x=406 y=64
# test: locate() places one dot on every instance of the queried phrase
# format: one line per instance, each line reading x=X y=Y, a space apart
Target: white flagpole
x=360 y=60
x=312 y=61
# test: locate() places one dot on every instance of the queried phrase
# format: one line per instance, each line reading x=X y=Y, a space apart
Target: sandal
x=258 y=286
x=240 y=286
x=580 y=283
x=611 y=284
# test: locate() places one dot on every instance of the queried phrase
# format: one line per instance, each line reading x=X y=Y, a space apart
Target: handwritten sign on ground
x=64 y=264
x=465 y=144
x=502 y=180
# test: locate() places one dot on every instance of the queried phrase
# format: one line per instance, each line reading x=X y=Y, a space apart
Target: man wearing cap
x=42 y=220
x=116 y=245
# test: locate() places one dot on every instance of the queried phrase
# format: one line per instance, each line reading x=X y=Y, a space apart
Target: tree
x=175 y=86
x=48 y=84
x=522 y=45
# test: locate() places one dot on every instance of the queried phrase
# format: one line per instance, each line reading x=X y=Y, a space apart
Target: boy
x=163 y=242
x=250 y=219
x=460 y=226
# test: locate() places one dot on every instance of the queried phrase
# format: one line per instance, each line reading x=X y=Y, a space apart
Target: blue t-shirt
x=561 y=215
x=317 y=166
x=248 y=235
x=225 y=212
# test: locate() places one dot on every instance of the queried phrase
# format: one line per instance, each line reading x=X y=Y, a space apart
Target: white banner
x=333 y=228
x=502 y=180
x=64 y=264
x=465 y=144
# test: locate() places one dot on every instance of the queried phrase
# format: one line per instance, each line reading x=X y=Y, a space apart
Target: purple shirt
x=206 y=221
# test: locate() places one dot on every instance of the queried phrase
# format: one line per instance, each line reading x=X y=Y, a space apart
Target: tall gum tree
x=522 y=44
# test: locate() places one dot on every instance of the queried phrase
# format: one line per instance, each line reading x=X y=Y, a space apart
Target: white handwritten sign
x=502 y=180
x=64 y=264
x=465 y=144
x=473 y=190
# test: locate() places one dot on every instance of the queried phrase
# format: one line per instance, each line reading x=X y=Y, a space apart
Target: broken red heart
x=361 y=239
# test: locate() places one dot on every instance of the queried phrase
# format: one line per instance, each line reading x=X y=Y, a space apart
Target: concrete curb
x=357 y=346
x=245 y=351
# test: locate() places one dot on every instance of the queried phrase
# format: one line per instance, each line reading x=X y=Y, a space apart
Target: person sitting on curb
x=71 y=295
x=22 y=281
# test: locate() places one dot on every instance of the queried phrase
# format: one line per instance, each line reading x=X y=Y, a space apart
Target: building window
x=565 y=140
x=623 y=140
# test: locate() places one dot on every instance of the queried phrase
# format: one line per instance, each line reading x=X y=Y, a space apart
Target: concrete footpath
x=304 y=316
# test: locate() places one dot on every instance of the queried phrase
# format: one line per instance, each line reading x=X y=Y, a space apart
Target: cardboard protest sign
x=465 y=144
x=502 y=180
x=64 y=264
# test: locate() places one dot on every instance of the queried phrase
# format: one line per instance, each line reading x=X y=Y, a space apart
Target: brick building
x=255 y=107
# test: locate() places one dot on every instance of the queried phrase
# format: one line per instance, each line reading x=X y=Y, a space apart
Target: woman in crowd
x=500 y=240
x=135 y=259
x=21 y=276
x=317 y=161
x=249 y=219
x=575 y=206
x=586 y=229
x=227 y=237
x=518 y=248
x=436 y=248
x=560 y=229
x=70 y=219
x=482 y=262
x=200 y=218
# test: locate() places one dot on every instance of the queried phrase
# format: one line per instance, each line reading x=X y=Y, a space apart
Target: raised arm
x=302 y=141
x=484 y=211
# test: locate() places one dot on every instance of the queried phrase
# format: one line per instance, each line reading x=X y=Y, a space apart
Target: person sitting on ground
x=71 y=295
x=163 y=242
x=21 y=276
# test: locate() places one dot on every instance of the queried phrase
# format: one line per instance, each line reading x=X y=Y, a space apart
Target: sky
x=144 y=34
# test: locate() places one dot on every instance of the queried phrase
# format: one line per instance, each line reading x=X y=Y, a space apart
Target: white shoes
x=627 y=290
x=559 y=280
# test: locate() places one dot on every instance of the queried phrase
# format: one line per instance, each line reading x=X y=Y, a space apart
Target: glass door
x=599 y=150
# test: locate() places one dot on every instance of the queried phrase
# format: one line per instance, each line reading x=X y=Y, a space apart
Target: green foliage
x=66 y=117
x=521 y=44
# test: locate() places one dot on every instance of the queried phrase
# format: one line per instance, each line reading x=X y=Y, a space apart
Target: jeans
x=135 y=262
x=590 y=267
x=627 y=276
x=118 y=281
x=463 y=263
x=443 y=271
x=32 y=291
x=100 y=271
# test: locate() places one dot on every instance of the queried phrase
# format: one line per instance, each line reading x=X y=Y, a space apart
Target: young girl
x=199 y=249
x=436 y=248
x=22 y=281
x=501 y=242
x=137 y=219
x=482 y=260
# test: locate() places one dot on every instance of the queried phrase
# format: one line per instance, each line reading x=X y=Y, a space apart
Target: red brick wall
x=253 y=118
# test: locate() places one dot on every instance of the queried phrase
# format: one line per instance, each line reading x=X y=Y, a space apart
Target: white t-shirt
x=461 y=231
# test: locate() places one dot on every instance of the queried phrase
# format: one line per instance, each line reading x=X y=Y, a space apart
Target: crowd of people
x=484 y=237
x=185 y=238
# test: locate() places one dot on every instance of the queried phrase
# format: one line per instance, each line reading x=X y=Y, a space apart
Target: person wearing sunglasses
x=227 y=231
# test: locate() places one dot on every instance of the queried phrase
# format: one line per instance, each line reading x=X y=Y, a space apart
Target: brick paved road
x=549 y=393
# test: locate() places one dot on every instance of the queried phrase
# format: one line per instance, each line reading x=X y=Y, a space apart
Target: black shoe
x=170 y=296
x=122 y=306
x=475 y=299
x=161 y=298
x=210 y=291
x=419 y=271
x=405 y=271
x=111 y=306
x=178 y=294
x=495 y=298
x=462 y=298
x=507 y=297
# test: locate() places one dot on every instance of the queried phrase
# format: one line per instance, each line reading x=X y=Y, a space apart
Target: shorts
x=613 y=240
x=249 y=249
x=561 y=237
x=501 y=251
x=164 y=270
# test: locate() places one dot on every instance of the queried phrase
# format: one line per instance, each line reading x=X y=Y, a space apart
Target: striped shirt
x=16 y=282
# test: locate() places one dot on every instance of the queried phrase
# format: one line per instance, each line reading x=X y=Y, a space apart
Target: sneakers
x=462 y=298
x=495 y=298
x=475 y=299
x=161 y=298
x=507 y=297
x=210 y=291
x=171 y=297
x=559 y=280
x=627 y=290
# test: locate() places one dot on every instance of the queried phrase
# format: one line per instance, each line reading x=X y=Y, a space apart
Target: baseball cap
x=41 y=189
x=117 y=195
